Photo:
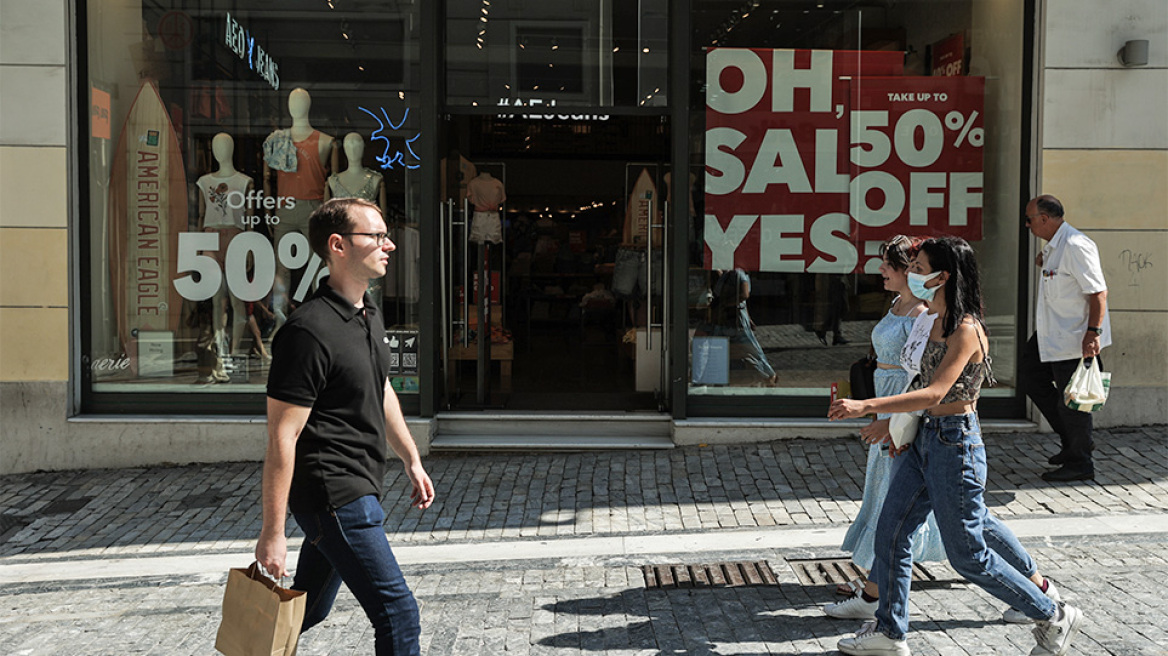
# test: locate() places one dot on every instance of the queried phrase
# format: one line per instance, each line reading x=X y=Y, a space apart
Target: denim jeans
x=944 y=470
x=1044 y=383
x=349 y=545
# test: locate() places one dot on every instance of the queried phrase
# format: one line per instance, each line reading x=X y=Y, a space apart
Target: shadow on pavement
x=700 y=621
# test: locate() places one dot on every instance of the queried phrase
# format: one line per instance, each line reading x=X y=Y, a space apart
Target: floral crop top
x=968 y=384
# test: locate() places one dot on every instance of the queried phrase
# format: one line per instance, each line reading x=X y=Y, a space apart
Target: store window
x=543 y=54
x=821 y=129
x=217 y=127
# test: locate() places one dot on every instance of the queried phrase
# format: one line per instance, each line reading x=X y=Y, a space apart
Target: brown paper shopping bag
x=260 y=618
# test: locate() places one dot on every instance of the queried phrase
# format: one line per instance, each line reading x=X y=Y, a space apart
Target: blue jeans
x=349 y=545
x=944 y=470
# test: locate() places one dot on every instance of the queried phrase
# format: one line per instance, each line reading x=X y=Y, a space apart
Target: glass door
x=556 y=139
x=562 y=215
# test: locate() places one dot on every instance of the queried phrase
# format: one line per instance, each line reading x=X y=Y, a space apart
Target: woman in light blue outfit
x=943 y=470
x=888 y=339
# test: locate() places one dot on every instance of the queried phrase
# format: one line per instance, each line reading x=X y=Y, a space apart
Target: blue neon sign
x=386 y=160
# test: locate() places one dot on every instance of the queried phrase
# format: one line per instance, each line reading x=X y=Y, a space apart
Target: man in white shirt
x=1071 y=322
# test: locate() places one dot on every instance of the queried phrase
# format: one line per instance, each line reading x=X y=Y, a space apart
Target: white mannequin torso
x=214 y=209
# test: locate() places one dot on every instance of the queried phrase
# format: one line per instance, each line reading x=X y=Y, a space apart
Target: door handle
x=664 y=279
x=465 y=276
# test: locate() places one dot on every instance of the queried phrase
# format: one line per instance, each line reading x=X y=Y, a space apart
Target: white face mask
x=916 y=285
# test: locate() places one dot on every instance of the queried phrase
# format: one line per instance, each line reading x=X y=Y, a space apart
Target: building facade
x=674 y=208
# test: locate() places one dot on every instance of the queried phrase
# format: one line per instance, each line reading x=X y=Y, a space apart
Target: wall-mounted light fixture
x=1134 y=53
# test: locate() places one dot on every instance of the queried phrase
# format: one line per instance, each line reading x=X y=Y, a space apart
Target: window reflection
x=820 y=130
x=224 y=124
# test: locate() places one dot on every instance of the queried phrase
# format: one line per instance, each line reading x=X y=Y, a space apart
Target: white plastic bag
x=1088 y=388
x=902 y=426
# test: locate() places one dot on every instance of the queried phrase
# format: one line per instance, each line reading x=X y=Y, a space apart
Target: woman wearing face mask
x=944 y=469
x=888 y=339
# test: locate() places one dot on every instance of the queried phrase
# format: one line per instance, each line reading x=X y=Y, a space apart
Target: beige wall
x=34 y=254
x=1104 y=137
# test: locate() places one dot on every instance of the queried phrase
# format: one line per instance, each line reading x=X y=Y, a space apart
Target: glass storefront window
x=819 y=131
x=217 y=127
x=542 y=54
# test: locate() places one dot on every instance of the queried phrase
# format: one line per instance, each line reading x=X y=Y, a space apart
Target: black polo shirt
x=334 y=358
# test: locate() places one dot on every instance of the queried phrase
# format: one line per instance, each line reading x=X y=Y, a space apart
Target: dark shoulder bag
x=862 y=378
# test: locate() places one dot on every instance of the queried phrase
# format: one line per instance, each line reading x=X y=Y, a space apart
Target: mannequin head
x=299 y=102
x=354 y=149
x=222 y=149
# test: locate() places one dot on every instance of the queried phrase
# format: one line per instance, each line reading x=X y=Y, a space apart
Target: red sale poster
x=811 y=154
x=949 y=56
x=919 y=164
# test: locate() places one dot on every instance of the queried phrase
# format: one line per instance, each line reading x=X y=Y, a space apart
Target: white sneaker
x=1054 y=636
x=854 y=608
x=1015 y=616
x=870 y=642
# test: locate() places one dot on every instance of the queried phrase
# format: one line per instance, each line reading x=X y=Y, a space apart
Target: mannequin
x=486 y=193
x=302 y=157
x=217 y=216
x=356 y=181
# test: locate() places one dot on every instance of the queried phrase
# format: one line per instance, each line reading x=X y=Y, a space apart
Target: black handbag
x=862 y=378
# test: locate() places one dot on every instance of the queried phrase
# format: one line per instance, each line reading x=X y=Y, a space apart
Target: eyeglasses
x=379 y=237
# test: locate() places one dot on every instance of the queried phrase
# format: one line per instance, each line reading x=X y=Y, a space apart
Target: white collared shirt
x=1070 y=272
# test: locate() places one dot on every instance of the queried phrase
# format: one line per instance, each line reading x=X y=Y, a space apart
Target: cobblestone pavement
x=583 y=606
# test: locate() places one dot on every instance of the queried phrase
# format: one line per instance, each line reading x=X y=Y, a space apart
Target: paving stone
x=595 y=607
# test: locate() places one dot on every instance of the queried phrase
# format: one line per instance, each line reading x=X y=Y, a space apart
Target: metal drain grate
x=833 y=571
x=712 y=575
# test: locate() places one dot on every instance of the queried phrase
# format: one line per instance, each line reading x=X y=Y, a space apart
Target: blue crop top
x=889 y=336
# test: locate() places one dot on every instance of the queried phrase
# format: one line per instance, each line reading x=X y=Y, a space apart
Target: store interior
x=566 y=335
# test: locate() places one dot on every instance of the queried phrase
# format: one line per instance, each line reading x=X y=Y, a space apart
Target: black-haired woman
x=944 y=469
x=890 y=378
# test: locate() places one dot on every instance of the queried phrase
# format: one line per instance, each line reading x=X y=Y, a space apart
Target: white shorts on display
x=486 y=226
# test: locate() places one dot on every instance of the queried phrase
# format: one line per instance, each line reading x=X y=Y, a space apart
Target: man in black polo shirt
x=331 y=414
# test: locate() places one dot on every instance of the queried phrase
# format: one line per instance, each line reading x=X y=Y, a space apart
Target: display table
x=501 y=353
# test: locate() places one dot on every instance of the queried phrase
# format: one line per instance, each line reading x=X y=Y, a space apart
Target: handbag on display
x=260 y=618
x=1088 y=388
x=862 y=378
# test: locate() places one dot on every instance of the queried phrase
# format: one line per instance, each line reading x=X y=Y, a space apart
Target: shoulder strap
x=985 y=358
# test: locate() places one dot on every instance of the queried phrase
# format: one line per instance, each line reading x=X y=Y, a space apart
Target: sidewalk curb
x=632 y=547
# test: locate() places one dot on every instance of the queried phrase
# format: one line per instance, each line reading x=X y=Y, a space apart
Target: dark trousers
x=349 y=545
x=1044 y=383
